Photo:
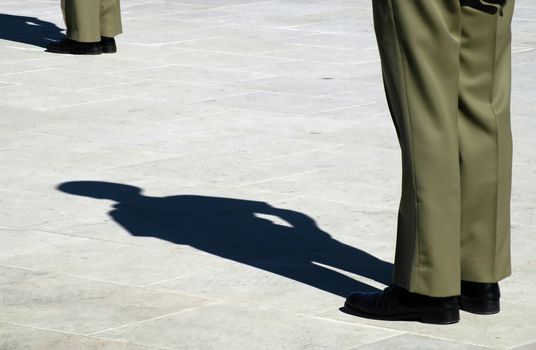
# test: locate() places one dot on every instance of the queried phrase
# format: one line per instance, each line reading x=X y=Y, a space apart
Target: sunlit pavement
x=222 y=182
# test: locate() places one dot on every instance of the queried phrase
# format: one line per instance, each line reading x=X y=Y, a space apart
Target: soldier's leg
x=485 y=144
x=419 y=46
x=110 y=18
x=82 y=19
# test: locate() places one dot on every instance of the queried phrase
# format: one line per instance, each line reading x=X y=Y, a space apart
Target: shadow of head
x=101 y=190
x=28 y=30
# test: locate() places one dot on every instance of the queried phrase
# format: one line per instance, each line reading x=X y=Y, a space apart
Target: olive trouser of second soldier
x=88 y=20
x=446 y=70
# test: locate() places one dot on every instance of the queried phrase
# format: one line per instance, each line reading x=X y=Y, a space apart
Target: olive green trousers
x=446 y=71
x=88 y=20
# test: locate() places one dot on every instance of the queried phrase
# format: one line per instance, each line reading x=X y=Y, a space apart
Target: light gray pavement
x=259 y=135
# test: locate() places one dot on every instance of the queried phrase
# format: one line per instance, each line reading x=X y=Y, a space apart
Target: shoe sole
x=479 y=306
x=86 y=52
x=109 y=49
x=51 y=50
x=440 y=318
x=93 y=51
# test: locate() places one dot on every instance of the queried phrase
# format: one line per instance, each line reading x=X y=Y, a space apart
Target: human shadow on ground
x=28 y=30
x=243 y=231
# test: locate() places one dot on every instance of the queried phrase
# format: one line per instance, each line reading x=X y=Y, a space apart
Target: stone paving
x=220 y=183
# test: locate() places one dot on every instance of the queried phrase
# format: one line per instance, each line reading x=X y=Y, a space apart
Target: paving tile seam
x=246 y=110
x=525 y=49
x=455 y=340
x=126 y=285
x=354 y=90
x=212 y=99
x=44 y=58
x=214 y=301
x=292 y=313
x=175 y=248
x=21 y=48
x=146 y=98
x=239 y=5
x=261 y=53
x=51 y=246
x=526 y=19
x=46 y=275
x=256 y=91
x=155 y=318
x=174 y=292
x=218 y=85
x=173 y=157
x=281 y=177
x=336 y=63
x=290 y=196
x=317 y=198
x=350 y=323
x=179 y=118
x=261 y=77
x=530 y=227
x=290 y=155
x=533 y=342
x=209 y=84
x=35 y=228
x=336 y=9
x=153 y=284
x=152 y=80
x=111 y=85
x=117 y=98
x=43 y=329
x=242 y=54
x=522 y=301
x=79 y=335
x=320 y=96
x=341 y=48
x=164 y=43
x=25 y=72
x=371 y=343
x=225 y=15
x=144 y=69
x=343 y=108
x=355 y=276
x=127 y=18
x=317 y=31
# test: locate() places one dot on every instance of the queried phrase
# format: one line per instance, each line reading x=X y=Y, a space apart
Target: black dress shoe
x=397 y=303
x=480 y=298
x=68 y=46
x=108 y=45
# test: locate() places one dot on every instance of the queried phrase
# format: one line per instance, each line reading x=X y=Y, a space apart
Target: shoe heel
x=480 y=307
x=444 y=317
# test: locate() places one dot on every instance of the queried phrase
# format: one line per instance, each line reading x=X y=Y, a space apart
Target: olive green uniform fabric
x=446 y=69
x=88 y=20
